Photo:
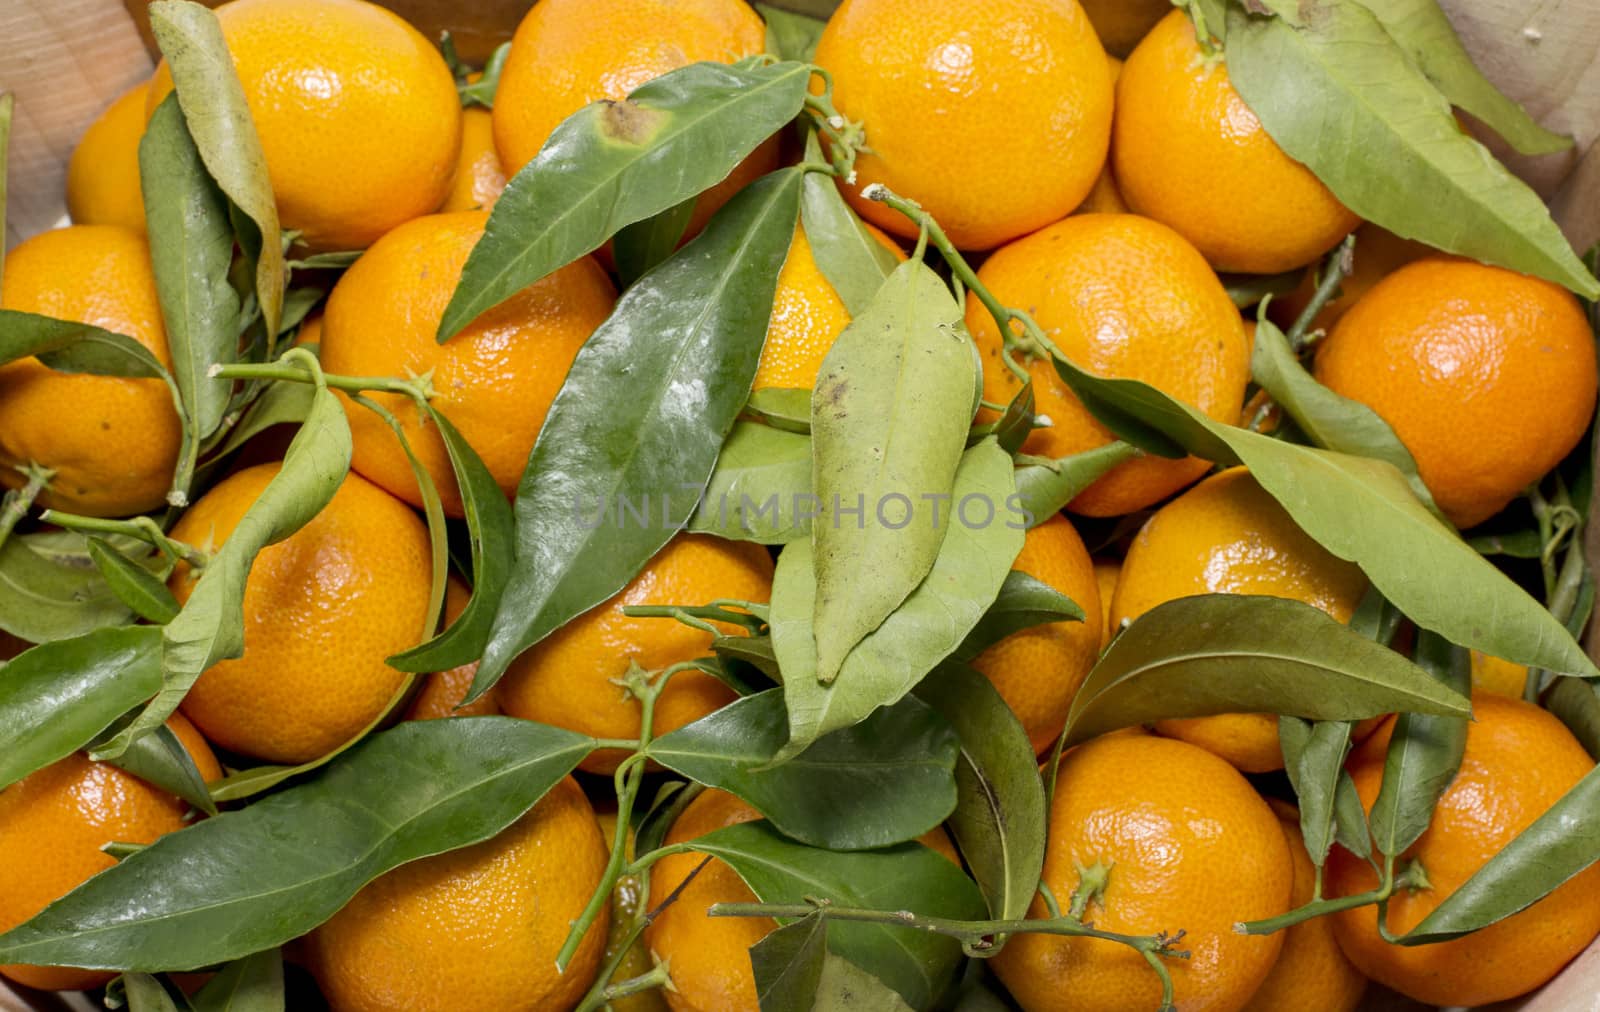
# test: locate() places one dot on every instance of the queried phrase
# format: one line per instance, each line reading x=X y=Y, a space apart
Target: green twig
x=16 y=503
x=284 y=369
x=846 y=138
x=142 y=528
x=603 y=991
x=1412 y=877
x=1335 y=268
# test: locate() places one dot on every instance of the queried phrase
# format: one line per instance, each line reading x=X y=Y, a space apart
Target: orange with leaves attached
x=53 y=823
x=1121 y=296
x=442 y=692
x=1190 y=153
x=1519 y=761
x=103 y=173
x=112 y=441
x=994 y=116
x=476 y=928
x=1187 y=845
x=323 y=609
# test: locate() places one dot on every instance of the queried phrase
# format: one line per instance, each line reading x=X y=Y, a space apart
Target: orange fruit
x=568 y=678
x=112 y=441
x=1228 y=536
x=357 y=112
x=1519 y=761
x=1486 y=375
x=1498 y=675
x=1378 y=253
x=53 y=823
x=1122 y=296
x=568 y=53
x=1189 y=846
x=323 y=608
x=495 y=380
x=103 y=173
x=937 y=86
x=474 y=928
x=1106 y=573
x=1190 y=153
x=709 y=957
x=1122 y=23
x=442 y=692
x=807 y=316
x=1104 y=197
x=1039 y=669
x=479 y=177
x=1312 y=972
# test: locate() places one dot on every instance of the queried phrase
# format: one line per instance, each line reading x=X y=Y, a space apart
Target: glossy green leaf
x=211 y=625
x=1361 y=510
x=907 y=877
x=1557 y=846
x=642 y=416
x=1424 y=754
x=48 y=595
x=251 y=984
x=159 y=758
x=854 y=262
x=1313 y=757
x=1236 y=653
x=884 y=781
x=254 y=878
x=786 y=408
x=1422 y=30
x=490 y=527
x=68 y=346
x=886 y=441
x=1022 y=602
x=930 y=624
x=638 y=248
x=1339 y=95
x=1330 y=420
x=135 y=586
x=614 y=163
x=760 y=489
x=790 y=36
x=999 y=821
x=55 y=698
x=219 y=120
x=788 y=965
x=1013 y=427
x=1045 y=486
x=191 y=250
x=144 y=993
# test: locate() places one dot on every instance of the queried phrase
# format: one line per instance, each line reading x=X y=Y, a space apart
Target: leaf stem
x=420 y=387
x=1335 y=268
x=142 y=528
x=16 y=503
x=1412 y=876
x=846 y=138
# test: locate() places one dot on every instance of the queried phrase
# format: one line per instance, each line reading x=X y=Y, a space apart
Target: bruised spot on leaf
x=630 y=122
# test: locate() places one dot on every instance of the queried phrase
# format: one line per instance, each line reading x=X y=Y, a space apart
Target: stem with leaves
x=846 y=138
x=141 y=528
x=419 y=388
x=1335 y=268
x=1413 y=876
x=16 y=503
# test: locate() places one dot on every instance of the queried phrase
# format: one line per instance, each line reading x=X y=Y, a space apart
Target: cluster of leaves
x=861 y=724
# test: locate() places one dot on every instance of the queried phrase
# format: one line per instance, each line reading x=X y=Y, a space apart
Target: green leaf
x=159 y=758
x=611 y=164
x=134 y=585
x=1577 y=703
x=1023 y=602
x=1013 y=427
x=56 y=594
x=790 y=36
x=1237 y=653
x=1422 y=30
x=1363 y=511
x=855 y=263
x=639 y=247
x=1423 y=755
x=251 y=984
x=884 y=781
x=906 y=877
x=755 y=651
x=760 y=489
x=1045 y=486
x=191 y=250
x=68 y=346
x=1338 y=94
x=489 y=528
x=219 y=120
x=930 y=624
x=1313 y=757
x=210 y=627
x=254 y=878
x=1555 y=848
x=788 y=965
x=845 y=987
x=56 y=697
x=999 y=821
x=1330 y=420
x=643 y=413
x=144 y=993
x=785 y=408
x=278 y=404
x=1524 y=544
x=885 y=438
